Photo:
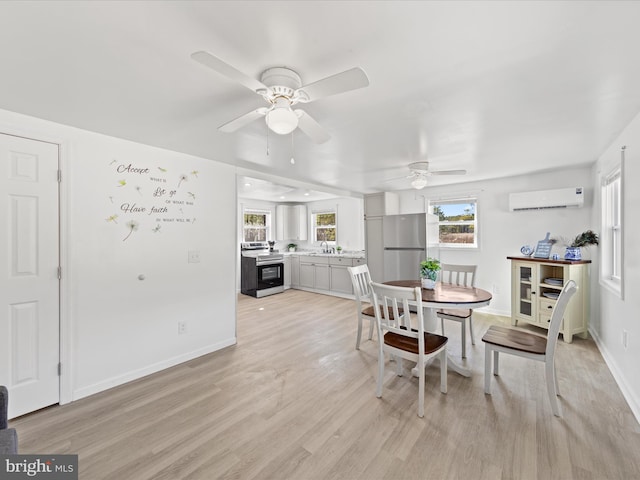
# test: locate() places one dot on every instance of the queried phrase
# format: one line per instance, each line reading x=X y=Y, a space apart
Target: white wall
x=501 y=232
x=115 y=327
x=611 y=315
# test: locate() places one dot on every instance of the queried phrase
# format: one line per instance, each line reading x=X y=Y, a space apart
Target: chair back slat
x=360 y=279
x=459 y=275
x=569 y=289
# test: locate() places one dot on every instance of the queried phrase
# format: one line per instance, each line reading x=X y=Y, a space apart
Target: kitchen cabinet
x=379 y=204
x=374 y=248
x=535 y=285
x=291 y=222
x=340 y=278
x=314 y=272
x=294 y=263
x=287 y=272
x=326 y=274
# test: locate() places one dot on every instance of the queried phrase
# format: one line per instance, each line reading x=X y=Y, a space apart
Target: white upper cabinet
x=291 y=222
x=379 y=204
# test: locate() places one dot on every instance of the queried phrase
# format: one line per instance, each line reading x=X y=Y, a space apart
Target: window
x=457 y=226
x=611 y=236
x=324 y=227
x=257 y=225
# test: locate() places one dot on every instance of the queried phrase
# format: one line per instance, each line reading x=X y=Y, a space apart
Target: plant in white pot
x=292 y=247
x=429 y=269
x=585 y=239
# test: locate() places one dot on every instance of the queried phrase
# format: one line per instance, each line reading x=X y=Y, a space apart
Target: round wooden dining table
x=446 y=295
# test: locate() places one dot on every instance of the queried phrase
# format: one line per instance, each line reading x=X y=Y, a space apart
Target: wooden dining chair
x=361 y=280
x=404 y=339
x=526 y=344
x=461 y=275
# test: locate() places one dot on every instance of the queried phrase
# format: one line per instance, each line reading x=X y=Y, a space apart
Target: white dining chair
x=404 y=339
x=465 y=276
x=361 y=280
x=526 y=344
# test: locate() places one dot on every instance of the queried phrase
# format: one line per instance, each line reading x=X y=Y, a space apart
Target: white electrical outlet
x=625 y=338
x=182 y=328
x=194 y=256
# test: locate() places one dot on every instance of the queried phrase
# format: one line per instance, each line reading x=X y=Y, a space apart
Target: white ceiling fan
x=282 y=88
x=420 y=172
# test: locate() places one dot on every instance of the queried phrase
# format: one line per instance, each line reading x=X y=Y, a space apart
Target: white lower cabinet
x=294 y=263
x=340 y=278
x=287 y=272
x=328 y=275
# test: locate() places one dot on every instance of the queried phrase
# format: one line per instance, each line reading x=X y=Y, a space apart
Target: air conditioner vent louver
x=545 y=199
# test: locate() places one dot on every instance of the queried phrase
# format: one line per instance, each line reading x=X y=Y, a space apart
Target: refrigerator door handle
x=405 y=248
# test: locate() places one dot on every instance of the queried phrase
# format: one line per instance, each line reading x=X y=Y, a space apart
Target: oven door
x=271 y=275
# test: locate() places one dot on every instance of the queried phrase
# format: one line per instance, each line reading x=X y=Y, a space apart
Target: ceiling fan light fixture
x=281 y=119
x=419 y=183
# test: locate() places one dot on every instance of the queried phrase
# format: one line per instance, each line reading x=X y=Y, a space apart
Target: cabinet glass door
x=525 y=291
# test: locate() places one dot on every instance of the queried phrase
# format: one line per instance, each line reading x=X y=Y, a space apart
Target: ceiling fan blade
x=338 y=83
x=243 y=120
x=448 y=172
x=208 y=60
x=395 y=179
x=312 y=128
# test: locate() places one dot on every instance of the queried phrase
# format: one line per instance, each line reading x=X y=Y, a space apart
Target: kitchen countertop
x=320 y=254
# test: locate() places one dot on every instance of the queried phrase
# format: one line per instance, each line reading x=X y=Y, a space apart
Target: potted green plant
x=429 y=272
x=573 y=251
x=292 y=247
x=339 y=249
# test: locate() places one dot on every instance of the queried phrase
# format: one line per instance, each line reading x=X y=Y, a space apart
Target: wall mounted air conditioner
x=559 y=198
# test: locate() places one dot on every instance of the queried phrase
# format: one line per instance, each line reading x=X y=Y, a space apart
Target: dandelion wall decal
x=113 y=161
x=112 y=218
x=183 y=178
x=162 y=169
x=111 y=198
x=195 y=173
x=156 y=229
x=139 y=189
x=122 y=183
x=192 y=195
x=133 y=226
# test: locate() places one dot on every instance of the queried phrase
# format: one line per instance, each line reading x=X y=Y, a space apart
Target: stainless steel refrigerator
x=407 y=240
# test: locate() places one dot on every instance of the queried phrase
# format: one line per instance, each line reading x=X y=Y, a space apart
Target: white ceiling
x=496 y=88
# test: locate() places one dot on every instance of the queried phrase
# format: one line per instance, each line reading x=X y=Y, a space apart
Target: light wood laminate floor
x=295 y=400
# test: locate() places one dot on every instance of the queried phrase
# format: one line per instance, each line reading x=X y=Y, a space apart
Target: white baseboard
x=148 y=370
x=632 y=400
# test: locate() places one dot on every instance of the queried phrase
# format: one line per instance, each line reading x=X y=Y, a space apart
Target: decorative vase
x=292 y=249
x=428 y=283
x=573 y=253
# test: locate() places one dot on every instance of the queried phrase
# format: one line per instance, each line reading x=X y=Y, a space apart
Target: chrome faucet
x=326 y=247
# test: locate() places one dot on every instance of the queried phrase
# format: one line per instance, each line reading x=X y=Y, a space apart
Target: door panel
x=29 y=285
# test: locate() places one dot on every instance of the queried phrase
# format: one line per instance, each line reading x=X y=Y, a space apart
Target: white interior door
x=29 y=285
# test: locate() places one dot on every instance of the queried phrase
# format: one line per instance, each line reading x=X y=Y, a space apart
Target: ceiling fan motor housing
x=282 y=81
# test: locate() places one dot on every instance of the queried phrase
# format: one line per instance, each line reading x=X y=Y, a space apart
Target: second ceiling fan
x=420 y=172
x=282 y=88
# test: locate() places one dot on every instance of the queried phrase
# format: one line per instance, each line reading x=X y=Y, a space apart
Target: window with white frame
x=611 y=236
x=256 y=226
x=324 y=226
x=458 y=222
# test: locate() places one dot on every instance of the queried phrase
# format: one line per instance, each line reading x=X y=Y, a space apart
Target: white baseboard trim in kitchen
x=634 y=403
x=148 y=370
